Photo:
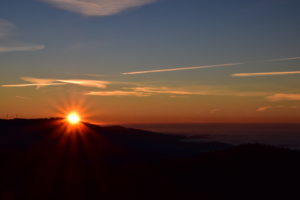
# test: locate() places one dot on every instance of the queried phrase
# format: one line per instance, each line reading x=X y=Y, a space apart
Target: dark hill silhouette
x=46 y=159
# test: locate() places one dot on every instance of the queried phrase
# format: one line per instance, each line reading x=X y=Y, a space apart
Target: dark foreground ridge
x=45 y=159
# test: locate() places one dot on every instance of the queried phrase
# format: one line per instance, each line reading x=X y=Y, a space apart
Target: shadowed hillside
x=48 y=159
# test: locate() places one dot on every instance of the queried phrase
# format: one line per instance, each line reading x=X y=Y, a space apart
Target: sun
x=73 y=118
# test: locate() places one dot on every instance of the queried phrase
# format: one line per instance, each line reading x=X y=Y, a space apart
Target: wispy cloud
x=163 y=90
x=97 y=7
x=265 y=74
x=151 y=91
x=8 y=44
x=21 y=48
x=201 y=92
x=140 y=92
x=116 y=93
x=33 y=85
x=182 y=68
x=40 y=82
x=147 y=91
x=284 y=97
x=86 y=83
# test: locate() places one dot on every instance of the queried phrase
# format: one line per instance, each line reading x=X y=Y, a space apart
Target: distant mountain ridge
x=28 y=131
x=44 y=159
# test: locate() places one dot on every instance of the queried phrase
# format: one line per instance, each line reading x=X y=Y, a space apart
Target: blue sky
x=164 y=33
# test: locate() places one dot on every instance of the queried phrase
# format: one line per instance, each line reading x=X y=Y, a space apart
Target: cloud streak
x=86 y=83
x=284 y=59
x=284 y=97
x=151 y=91
x=265 y=74
x=181 y=68
x=40 y=82
x=141 y=92
x=263 y=108
x=21 y=48
x=267 y=108
x=163 y=90
x=116 y=93
x=220 y=65
x=33 y=85
x=97 y=7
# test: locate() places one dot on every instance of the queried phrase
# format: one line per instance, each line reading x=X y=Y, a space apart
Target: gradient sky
x=151 y=61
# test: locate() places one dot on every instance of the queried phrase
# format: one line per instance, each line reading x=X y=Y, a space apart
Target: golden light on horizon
x=73 y=118
x=74 y=111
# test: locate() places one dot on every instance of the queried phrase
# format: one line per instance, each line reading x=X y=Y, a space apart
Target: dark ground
x=44 y=159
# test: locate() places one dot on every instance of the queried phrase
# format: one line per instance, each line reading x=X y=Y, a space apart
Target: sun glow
x=73 y=118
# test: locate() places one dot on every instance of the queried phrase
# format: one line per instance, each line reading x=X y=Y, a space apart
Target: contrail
x=183 y=68
x=265 y=74
x=206 y=66
x=284 y=59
